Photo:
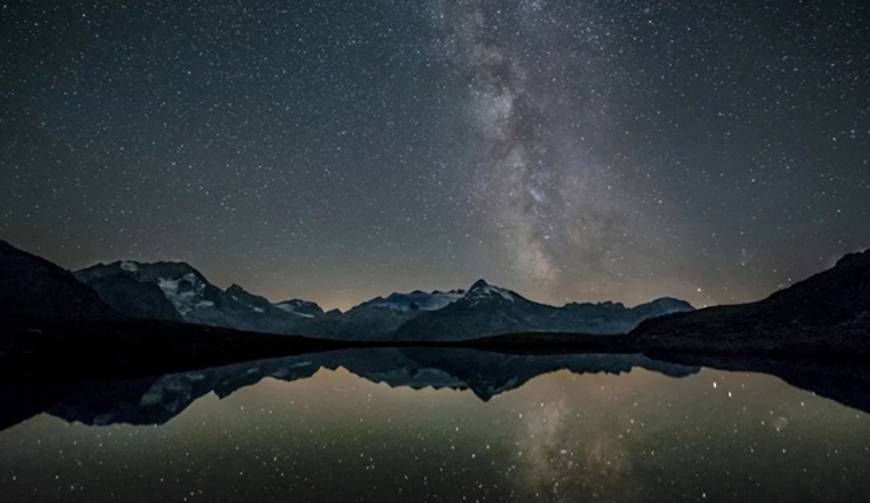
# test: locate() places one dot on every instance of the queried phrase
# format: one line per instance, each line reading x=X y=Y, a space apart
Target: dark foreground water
x=417 y=425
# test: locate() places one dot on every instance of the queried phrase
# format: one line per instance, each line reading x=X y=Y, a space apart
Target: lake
x=443 y=425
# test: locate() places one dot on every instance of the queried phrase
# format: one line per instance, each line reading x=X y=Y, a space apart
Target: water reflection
x=155 y=400
x=443 y=425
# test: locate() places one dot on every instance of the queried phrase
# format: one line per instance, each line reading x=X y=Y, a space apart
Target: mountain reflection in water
x=156 y=400
x=443 y=425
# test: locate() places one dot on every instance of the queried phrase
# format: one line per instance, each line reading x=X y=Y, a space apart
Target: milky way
x=336 y=151
x=539 y=184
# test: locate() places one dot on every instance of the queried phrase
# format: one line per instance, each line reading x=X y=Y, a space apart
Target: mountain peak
x=672 y=301
x=662 y=306
x=479 y=284
x=483 y=290
x=236 y=288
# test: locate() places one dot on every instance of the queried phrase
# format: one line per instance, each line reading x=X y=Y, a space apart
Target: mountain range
x=177 y=292
x=827 y=313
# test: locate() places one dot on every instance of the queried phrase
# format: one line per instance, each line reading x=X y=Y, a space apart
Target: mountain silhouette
x=827 y=312
x=35 y=288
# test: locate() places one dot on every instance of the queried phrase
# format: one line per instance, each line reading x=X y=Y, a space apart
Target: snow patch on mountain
x=183 y=293
x=299 y=307
x=490 y=290
x=290 y=308
x=129 y=266
x=423 y=301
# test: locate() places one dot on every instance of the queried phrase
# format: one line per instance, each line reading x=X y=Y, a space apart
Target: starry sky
x=334 y=151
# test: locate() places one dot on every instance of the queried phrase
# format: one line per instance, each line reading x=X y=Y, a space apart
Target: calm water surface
x=496 y=429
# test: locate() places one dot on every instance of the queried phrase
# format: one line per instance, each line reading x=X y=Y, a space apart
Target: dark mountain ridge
x=31 y=286
x=829 y=310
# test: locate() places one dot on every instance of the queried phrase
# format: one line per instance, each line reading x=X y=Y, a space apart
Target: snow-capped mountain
x=177 y=291
x=182 y=287
x=487 y=310
x=190 y=295
x=482 y=292
x=299 y=307
x=416 y=300
x=378 y=318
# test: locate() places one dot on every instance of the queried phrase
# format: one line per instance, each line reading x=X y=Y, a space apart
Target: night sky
x=334 y=151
